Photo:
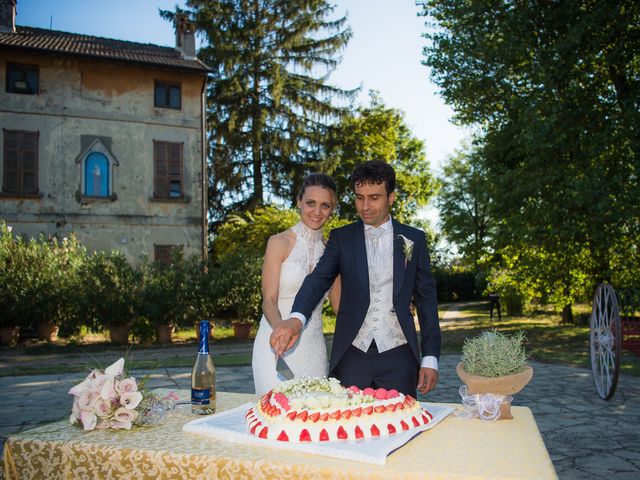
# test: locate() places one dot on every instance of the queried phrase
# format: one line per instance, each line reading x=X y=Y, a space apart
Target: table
x=454 y=449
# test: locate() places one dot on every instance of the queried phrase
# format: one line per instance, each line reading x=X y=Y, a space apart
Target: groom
x=383 y=266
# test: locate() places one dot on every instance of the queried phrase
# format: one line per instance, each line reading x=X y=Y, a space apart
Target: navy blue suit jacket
x=345 y=255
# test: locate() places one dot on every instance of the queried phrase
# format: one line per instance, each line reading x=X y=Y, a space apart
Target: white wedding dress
x=308 y=357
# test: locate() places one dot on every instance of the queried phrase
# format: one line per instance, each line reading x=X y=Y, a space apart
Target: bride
x=289 y=257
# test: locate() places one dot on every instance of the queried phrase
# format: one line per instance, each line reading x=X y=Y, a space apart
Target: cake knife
x=284 y=372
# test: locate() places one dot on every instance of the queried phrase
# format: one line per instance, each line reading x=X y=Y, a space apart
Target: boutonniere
x=407 y=248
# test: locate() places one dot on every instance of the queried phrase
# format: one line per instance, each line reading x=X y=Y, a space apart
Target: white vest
x=381 y=323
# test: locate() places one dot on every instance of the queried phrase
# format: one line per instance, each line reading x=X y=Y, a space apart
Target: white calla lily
x=115 y=369
x=79 y=388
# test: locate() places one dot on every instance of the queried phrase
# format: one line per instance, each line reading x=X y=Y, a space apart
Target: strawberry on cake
x=321 y=410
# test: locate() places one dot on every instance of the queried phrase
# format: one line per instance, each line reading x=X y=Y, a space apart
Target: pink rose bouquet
x=112 y=399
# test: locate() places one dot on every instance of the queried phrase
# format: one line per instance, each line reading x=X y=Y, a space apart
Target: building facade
x=103 y=138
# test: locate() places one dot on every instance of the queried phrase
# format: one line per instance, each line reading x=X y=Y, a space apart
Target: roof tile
x=53 y=41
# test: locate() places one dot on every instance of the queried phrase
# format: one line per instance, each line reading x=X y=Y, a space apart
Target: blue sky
x=384 y=53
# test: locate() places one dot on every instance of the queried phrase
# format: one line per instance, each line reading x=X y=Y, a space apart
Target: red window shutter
x=30 y=162
x=175 y=168
x=10 y=170
x=20 y=162
x=167 y=170
x=160 y=173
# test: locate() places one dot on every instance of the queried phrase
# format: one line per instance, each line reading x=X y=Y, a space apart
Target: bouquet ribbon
x=486 y=406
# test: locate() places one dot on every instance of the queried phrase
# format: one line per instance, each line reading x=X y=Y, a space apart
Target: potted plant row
x=38 y=284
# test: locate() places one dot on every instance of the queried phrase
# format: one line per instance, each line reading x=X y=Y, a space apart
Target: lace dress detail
x=309 y=356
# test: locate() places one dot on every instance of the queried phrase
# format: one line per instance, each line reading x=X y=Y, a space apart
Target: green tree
x=238 y=254
x=555 y=89
x=531 y=275
x=377 y=132
x=250 y=231
x=268 y=97
x=465 y=203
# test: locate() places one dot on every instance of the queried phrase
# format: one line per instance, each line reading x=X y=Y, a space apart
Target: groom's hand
x=285 y=335
x=427 y=379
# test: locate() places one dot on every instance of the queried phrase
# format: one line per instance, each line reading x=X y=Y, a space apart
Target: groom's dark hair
x=374 y=171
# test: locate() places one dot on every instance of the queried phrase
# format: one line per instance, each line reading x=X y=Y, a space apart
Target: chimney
x=185 y=36
x=8 y=16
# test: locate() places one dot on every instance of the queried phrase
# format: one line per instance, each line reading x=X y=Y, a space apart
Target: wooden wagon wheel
x=606 y=341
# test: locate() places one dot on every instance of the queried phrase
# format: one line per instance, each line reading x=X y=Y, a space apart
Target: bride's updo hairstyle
x=319 y=180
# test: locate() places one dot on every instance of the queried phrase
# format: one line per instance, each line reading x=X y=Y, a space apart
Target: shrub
x=176 y=294
x=142 y=330
x=239 y=277
x=111 y=290
x=61 y=279
x=493 y=354
x=10 y=295
x=163 y=291
x=39 y=280
x=202 y=292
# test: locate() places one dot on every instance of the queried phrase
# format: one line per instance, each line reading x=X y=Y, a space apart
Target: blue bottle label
x=204 y=337
x=200 y=397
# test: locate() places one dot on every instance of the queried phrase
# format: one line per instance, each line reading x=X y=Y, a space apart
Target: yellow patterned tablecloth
x=454 y=449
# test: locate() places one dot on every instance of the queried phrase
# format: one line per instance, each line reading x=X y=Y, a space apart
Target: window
x=20 y=162
x=167 y=170
x=163 y=254
x=167 y=95
x=22 y=78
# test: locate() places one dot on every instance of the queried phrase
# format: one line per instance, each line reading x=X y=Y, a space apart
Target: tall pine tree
x=269 y=102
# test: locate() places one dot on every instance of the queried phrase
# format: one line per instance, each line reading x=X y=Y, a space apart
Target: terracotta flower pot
x=9 y=335
x=505 y=385
x=241 y=330
x=119 y=334
x=48 y=331
x=164 y=333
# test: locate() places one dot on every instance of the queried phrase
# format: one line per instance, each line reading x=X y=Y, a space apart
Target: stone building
x=103 y=138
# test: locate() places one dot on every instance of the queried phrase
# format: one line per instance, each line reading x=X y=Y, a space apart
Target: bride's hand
x=285 y=335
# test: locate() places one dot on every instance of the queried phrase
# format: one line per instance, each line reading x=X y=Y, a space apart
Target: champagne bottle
x=203 y=376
